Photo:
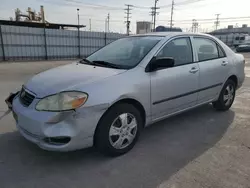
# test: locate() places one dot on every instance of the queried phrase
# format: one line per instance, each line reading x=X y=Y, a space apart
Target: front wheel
x=226 y=97
x=118 y=130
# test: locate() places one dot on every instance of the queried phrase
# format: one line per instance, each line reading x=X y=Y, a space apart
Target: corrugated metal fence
x=26 y=43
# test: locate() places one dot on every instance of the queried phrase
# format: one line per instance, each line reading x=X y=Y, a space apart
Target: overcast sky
x=64 y=11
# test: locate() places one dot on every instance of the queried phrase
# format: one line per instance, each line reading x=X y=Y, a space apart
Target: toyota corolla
x=107 y=99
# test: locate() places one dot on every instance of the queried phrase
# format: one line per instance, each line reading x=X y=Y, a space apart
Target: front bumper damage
x=56 y=131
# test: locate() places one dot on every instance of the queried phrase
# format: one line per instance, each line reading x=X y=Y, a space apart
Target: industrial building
x=34 y=19
x=233 y=36
x=231 y=29
x=40 y=25
x=143 y=27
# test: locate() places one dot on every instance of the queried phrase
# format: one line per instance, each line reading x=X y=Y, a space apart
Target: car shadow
x=162 y=150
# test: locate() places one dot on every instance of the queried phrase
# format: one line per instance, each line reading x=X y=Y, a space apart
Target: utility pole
x=152 y=20
x=217 y=22
x=105 y=25
x=128 y=9
x=78 y=22
x=172 y=13
x=192 y=28
x=79 y=43
x=195 y=25
x=154 y=13
x=108 y=18
x=90 y=24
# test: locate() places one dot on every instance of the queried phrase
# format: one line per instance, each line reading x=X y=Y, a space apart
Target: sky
x=204 y=11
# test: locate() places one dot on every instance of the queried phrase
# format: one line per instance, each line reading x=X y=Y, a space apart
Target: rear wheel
x=226 y=97
x=118 y=130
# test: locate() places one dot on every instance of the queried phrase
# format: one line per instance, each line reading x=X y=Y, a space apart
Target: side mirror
x=160 y=63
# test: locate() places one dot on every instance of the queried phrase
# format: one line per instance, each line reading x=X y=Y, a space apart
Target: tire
x=224 y=104
x=118 y=130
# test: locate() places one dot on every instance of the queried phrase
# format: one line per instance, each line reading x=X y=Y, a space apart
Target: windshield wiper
x=100 y=63
x=85 y=61
x=107 y=64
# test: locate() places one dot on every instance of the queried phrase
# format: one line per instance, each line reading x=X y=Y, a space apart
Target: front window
x=126 y=52
x=179 y=49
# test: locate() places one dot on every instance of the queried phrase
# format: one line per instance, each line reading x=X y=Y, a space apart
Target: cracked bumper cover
x=37 y=126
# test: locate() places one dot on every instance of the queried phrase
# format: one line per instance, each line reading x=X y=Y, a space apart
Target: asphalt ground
x=200 y=148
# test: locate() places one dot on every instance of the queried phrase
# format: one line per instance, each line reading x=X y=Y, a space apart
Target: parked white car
x=106 y=99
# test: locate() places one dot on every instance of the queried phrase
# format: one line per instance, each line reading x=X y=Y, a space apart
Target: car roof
x=172 y=34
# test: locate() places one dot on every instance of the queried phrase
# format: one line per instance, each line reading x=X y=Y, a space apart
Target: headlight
x=62 y=101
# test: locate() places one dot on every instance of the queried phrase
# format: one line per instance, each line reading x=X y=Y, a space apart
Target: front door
x=174 y=89
x=213 y=66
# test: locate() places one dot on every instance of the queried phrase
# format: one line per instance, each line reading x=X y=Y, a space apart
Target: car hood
x=66 y=77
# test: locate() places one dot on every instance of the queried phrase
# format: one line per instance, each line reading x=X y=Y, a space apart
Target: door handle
x=194 y=70
x=224 y=63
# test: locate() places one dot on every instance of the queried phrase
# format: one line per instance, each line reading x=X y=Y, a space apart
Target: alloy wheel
x=229 y=95
x=123 y=131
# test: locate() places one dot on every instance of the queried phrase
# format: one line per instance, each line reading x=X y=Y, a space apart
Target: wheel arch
x=235 y=79
x=131 y=101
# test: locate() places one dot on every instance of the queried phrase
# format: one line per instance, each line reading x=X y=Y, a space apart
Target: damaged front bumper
x=10 y=98
x=56 y=131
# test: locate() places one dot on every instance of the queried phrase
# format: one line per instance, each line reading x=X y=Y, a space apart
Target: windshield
x=126 y=52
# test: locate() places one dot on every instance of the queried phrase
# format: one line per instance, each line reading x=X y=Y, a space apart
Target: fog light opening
x=57 y=140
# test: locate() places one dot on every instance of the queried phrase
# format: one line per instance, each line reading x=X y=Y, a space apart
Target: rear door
x=213 y=67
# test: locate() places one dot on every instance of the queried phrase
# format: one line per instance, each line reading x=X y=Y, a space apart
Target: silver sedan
x=107 y=99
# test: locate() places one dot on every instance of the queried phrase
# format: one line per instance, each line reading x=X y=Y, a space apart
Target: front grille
x=26 y=98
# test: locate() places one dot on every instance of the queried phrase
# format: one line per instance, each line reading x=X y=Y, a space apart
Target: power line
x=178 y=21
x=170 y=5
x=209 y=22
x=140 y=7
x=79 y=3
x=188 y=2
x=94 y=5
x=128 y=13
x=144 y=9
x=212 y=19
x=181 y=3
x=100 y=20
x=106 y=7
x=194 y=6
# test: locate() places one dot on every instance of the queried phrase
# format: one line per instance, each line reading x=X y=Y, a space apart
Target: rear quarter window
x=220 y=51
